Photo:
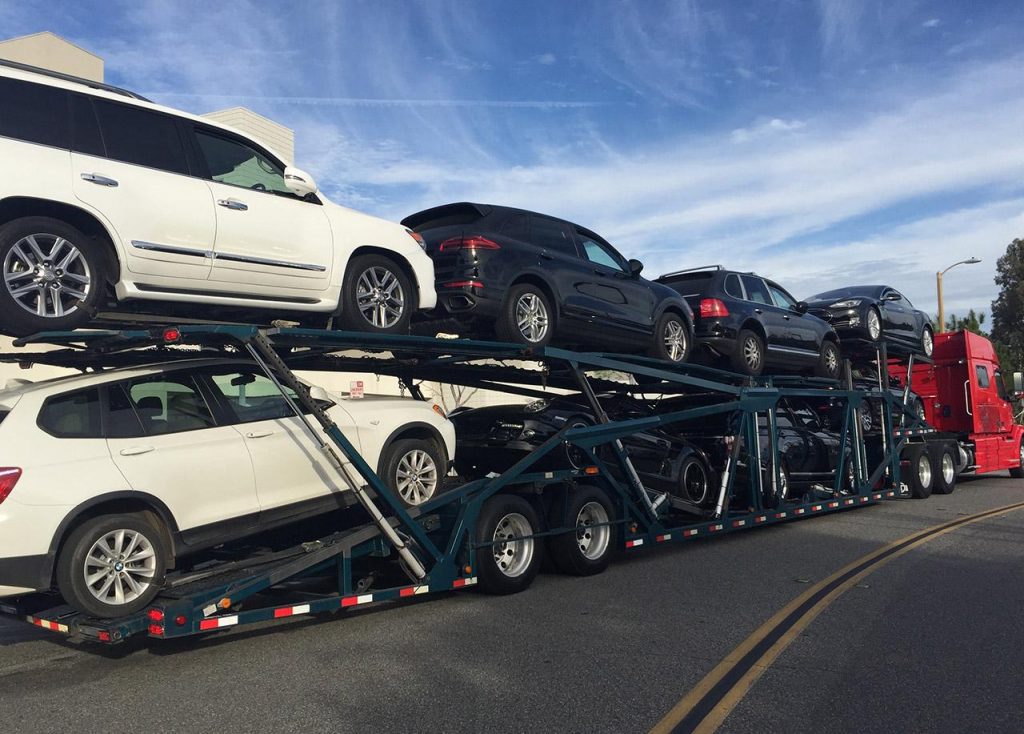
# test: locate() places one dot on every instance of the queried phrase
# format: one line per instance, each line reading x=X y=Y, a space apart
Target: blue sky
x=819 y=143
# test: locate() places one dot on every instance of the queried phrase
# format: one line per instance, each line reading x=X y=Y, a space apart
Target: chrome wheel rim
x=47 y=275
x=695 y=482
x=513 y=551
x=577 y=456
x=924 y=471
x=120 y=566
x=783 y=485
x=674 y=340
x=832 y=361
x=592 y=541
x=874 y=325
x=948 y=469
x=1022 y=454
x=866 y=420
x=416 y=477
x=379 y=297
x=752 y=353
x=928 y=342
x=531 y=317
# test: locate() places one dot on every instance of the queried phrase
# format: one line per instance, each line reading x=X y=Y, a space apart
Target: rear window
x=72 y=415
x=34 y=113
x=690 y=284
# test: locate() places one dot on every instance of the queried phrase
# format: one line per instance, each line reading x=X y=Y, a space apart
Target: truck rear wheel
x=1017 y=472
x=920 y=473
x=508 y=556
x=945 y=469
x=587 y=545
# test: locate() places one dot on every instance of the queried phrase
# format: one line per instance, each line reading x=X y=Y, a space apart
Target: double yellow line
x=705 y=707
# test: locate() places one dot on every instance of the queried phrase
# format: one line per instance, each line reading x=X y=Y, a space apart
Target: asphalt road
x=932 y=641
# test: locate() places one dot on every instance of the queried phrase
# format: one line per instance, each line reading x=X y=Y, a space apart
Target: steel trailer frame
x=436 y=545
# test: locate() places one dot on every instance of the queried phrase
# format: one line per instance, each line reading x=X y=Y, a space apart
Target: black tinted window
x=517 y=227
x=732 y=286
x=553 y=235
x=85 y=134
x=34 y=113
x=804 y=416
x=756 y=290
x=72 y=415
x=136 y=135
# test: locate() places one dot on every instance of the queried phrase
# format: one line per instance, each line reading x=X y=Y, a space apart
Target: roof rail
x=71 y=78
x=691 y=270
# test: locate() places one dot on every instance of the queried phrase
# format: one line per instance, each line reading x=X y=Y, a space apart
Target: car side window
x=252 y=396
x=982 y=374
x=781 y=298
x=782 y=417
x=598 y=253
x=757 y=291
x=805 y=417
x=35 y=113
x=140 y=136
x=732 y=286
x=232 y=162
x=72 y=415
x=167 y=403
x=551 y=234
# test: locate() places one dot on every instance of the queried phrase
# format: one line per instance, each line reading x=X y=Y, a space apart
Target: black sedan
x=874 y=313
x=529 y=278
x=493 y=438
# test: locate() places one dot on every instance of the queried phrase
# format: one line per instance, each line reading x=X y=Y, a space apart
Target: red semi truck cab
x=964 y=395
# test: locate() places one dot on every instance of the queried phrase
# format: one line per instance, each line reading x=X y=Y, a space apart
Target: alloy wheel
x=674 y=339
x=379 y=297
x=927 y=342
x=874 y=325
x=513 y=550
x=752 y=353
x=832 y=361
x=593 y=533
x=948 y=469
x=924 y=470
x=120 y=566
x=46 y=275
x=532 y=317
x=417 y=477
x=695 y=482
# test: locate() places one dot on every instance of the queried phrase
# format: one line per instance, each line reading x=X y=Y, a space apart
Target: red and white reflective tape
x=833 y=504
x=715 y=528
x=863 y=499
x=848 y=501
x=663 y=538
x=738 y=523
x=779 y=515
x=890 y=494
x=218 y=622
x=635 y=543
x=48 y=625
x=800 y=511
x=690 y=533
x=467 y=581
x=351 y=601
x=760 y=518
x=291 y=611
x=878 y=495
x=815 y=508
x=414 y=590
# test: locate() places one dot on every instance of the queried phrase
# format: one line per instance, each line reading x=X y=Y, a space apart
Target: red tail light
x=171 y=335
x=463 y=284
x=155 y=615
x=9 y=476
x=468 y=243
x=711 y=308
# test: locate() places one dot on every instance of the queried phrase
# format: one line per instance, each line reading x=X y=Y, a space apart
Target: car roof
x=414 y=220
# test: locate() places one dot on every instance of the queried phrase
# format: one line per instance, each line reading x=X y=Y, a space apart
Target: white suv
x=108 y=479
x=104 y=195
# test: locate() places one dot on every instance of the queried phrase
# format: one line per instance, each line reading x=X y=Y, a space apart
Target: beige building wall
x=50 y=51
x=275 y=136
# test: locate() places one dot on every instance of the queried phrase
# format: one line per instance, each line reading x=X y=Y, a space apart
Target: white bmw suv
x=106 y=197
x=109 y=479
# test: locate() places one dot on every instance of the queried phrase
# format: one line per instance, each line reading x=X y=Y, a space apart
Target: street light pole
x=938 y=288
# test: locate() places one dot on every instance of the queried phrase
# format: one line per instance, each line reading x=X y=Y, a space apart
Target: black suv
x=528 y=278
x=754 y=323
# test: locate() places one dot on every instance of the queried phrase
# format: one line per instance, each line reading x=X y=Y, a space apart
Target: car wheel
x=527 y=317
x=784 y=486
x=873 y=324
x=587 y=546
x=695 y=480
x=748 y=358
x=916 y=407
x=829 y=362
x=921 y=474
x=112 y=565
x=414 y=468
x=671 y=339
x=867 y=415
x=54 y=276
x=577 y=457
x=945 y=475
x=507 y=557
x=927 y=341
x=377 y=296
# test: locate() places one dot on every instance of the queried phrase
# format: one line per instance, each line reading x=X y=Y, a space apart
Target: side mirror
x=800 y=307
x=320 y=395
x=891 y=297
x=1018 y=382
x=299 y=182
x=635 y=268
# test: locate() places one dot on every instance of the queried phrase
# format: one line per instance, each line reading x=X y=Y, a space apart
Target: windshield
x=855 y=291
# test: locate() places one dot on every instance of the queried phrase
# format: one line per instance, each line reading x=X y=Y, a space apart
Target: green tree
x=974 y=322
x=1008 y=308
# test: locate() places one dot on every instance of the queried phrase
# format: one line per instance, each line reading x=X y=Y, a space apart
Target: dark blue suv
x=754 y=324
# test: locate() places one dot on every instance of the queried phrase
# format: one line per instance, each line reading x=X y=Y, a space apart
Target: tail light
x=463 y=284
x=9 y=476
x=468 y=243
x=711 y=308
x=418 y=237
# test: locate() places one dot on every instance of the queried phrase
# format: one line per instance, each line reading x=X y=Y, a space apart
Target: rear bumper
x=466 y=303
x=25 y=574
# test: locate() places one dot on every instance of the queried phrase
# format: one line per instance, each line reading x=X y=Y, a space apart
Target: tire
x=920 y=472
x=588 y=550
x=873 y=325
x=1018 y=471
x=70 y=286
x=376 y=296
x=927 y=341
x=576 y=456
x=527 y=317
x=916 y=407
x=81 y=551
x=829 y=362
x=507 y=566
x=414 y=468
x=785 y=488
x=945 y=470
x=695 y=481
x=671 y=339
x=748 y=359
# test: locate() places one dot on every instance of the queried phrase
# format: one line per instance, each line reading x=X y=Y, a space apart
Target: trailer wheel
x=1017 y=472
x=112 y=565
x=921 y=474
x=587 y=547
x=945 y=470
x=508 y=558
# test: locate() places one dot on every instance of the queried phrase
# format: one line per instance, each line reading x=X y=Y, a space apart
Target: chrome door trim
x=267 y=261
x=172 y=249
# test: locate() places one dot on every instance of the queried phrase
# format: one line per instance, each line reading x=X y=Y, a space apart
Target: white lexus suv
x=108 y=479
x=106 y=197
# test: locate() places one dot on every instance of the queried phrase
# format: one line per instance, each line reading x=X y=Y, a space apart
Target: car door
x=129 y=164
x=627 y=301
x=165 y=440
x=562 y=264
x=898 y=316
x=293 y=475
x=804 y=332
x=782 y=345
x=268 y=239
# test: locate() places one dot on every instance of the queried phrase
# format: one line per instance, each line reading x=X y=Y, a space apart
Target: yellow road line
x=705 y=707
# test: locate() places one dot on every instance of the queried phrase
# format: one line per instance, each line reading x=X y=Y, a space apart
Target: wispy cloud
x=931 y=23
x=773 y=126
x=378 y=102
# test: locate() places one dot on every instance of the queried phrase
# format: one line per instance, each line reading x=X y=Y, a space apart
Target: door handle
x=785 y=317
x=757 y=310
x=99 y=180
x=259 y=434
x=600 y=273
x=547 y=256
x=967 y=397
x=136 y=450
x=233 y=204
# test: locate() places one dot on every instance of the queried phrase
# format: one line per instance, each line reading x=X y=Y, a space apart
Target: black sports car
x=530 y=278
x=493 y=438
x=874 y=313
